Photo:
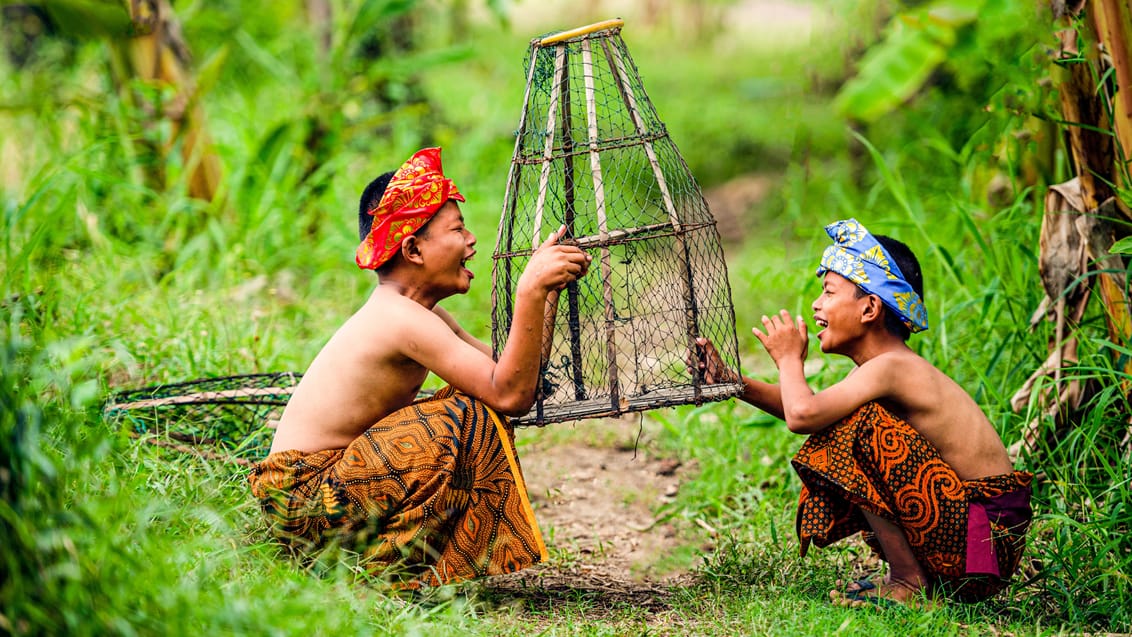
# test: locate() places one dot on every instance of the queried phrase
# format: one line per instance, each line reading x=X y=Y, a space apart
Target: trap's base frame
x=600 y=407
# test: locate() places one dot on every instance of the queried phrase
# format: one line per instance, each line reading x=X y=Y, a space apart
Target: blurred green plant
x=43 y=395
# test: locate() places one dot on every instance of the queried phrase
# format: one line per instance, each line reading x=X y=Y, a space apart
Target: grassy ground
x=109 y=283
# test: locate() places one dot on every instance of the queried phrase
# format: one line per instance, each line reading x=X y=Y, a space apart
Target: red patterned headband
x=415 y=193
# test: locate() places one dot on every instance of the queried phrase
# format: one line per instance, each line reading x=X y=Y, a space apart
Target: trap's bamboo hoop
x=231 y=395
x=217 y=418
x=562 y=36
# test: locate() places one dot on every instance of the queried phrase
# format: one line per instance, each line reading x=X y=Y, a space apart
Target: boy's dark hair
x=371 y=196
x=910 y=268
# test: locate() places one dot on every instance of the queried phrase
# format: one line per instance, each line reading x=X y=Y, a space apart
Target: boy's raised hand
x=554 y=264
x=785 y=338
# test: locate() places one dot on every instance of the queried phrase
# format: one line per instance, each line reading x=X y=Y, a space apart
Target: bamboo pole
x=157 y=54
x=548 y=143
x=573 y=314
x=602 y=225
x=613 y=55
x=1112 y=19
x=506 y=231
x=1090 y=147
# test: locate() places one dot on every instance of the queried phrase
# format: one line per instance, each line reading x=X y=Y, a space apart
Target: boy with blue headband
x=897 y=449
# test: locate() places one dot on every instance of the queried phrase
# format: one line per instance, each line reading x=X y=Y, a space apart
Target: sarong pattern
x=875 y=461
x=434 y=490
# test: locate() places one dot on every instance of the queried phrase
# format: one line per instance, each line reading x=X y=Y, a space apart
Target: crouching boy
x=897 y=449
x=431 y=486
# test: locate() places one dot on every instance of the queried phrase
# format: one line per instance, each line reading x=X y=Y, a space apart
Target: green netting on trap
x=592 y=154
x=228 y=417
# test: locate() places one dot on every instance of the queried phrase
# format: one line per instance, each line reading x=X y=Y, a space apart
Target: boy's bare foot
x=863 y=593
x=863 y=584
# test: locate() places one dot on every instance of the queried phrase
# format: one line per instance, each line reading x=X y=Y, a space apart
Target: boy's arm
x=806 y=412
x=462 y=333
x=765 y=396
x=550 y=313
x=507 y=385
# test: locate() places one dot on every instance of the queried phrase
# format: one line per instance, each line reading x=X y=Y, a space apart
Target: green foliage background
x=106 y=283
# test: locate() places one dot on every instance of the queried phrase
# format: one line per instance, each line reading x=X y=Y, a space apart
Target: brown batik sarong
x=967 y=535
x=433 y=492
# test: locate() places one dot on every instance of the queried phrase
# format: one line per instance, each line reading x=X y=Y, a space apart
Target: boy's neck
x=873 y=344
x=410 y=287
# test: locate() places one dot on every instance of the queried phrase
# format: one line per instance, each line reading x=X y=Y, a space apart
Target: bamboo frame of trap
x=636 y=365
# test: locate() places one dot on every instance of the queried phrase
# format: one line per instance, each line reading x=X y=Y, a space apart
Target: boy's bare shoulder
x=926 y=390
x=395 y=309
x=902 y=376
x=899 y=363
x=388 y=319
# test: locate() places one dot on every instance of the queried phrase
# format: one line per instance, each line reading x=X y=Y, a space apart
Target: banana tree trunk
x=158 y=55
x=1083 y=217
x=147 y=45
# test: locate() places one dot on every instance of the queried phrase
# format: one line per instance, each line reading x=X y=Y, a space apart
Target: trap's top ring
x=580 y=31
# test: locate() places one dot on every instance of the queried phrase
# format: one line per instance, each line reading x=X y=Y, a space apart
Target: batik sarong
x=967 y=535
x=433 y=492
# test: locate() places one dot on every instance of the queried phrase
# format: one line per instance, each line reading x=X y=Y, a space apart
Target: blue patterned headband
x=857 y=256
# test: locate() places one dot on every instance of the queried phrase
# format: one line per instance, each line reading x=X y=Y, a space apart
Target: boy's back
x=941 y=411
x=362 y=372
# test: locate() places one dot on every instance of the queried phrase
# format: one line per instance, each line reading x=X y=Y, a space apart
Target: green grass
x=107 y=282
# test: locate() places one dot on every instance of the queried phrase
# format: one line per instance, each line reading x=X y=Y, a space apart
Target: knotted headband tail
x=860 y=258
x=415 y=193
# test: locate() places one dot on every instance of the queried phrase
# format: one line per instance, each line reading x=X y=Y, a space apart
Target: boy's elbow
x=794 y=426
x=513 y=406
x=800 y=420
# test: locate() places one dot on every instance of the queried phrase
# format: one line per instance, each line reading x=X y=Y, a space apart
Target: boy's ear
x=411 y=250
x=872 y=309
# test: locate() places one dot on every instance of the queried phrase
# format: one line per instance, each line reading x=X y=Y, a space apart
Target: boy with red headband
x=897 y=449
x=430 y=486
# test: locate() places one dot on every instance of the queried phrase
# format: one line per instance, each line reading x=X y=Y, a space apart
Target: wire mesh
x=228 y=415
x=592 y=154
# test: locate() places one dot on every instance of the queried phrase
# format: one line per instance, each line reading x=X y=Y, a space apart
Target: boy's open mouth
x=464 y=265
x=822 y=323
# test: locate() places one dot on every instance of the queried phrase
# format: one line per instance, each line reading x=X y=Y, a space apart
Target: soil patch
x=596 y=495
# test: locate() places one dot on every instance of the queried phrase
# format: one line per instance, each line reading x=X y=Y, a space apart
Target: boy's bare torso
x=940 y=410
x=359 y=377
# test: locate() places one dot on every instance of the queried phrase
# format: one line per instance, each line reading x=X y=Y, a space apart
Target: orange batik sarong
x=433 y=493
x=967 y=535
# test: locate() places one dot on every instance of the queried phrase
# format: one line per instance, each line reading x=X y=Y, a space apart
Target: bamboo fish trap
x=592 y=154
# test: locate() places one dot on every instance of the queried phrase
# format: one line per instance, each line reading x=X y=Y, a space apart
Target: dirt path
x=595 y=489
